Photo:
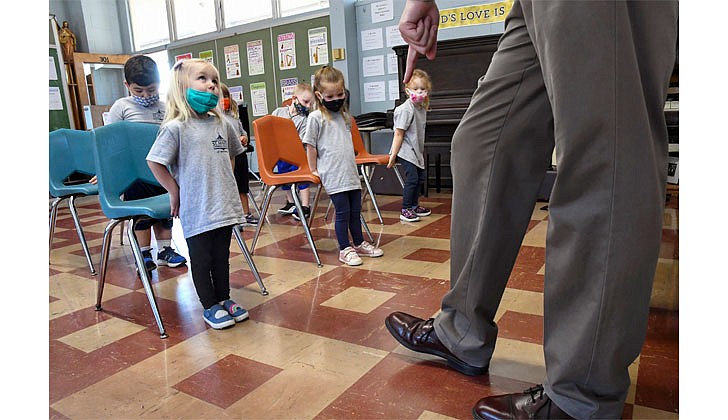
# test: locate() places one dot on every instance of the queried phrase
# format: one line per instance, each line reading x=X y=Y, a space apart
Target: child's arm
x=232 y=163
x=312 y=155
x=165 y=178
x=396 y=144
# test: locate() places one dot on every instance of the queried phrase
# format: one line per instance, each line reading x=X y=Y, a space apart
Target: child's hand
x=244 y=141
x=392 y=160
x=174 y=205
x=315 y=172
x=93 y=180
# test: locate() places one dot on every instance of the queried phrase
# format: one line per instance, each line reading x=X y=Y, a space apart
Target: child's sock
x=163 y=242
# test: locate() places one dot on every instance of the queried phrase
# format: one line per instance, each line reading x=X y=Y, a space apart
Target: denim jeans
x=414 y=180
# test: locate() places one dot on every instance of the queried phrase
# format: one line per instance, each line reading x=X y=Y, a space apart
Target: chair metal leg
x=399 y=176
x=121 y=234
x=248 y=257
x=328 y=208
x=316 y=199
x=145 y=277
x=366 y=227
x=251 y=200
x=105 y=245
x=371 y=193
x=304 y=222
x=52 y=227
x=266 y=203
x=79 y=231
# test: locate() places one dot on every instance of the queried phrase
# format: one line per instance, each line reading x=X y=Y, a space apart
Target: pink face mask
x=417 y=98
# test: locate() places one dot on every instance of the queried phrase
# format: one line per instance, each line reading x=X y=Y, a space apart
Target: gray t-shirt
x=298 y=120
x=411 y=118
x=128 y=110
x=198 y=154
x=335 y=162
x=237 y=125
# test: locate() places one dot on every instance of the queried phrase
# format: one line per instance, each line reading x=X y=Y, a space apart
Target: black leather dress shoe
x=419 y=335
x=532 y=403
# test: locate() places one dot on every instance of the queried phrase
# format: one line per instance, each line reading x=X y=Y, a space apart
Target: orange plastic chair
x=276 y=139
x=366 y=162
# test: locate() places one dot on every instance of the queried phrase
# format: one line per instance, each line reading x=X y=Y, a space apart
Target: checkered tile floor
x=316 y=347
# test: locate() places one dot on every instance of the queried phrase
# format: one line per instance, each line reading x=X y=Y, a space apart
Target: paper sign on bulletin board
x=259 y=99
x=181 y=57
x=287 y=87
x=287 y=51
x=207 y=56
x=232 y=61
x=318 y=47
x=236 y=92
x=255 y=57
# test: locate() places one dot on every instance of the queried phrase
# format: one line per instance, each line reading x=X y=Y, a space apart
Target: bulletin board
x=57 y=118
x=262 y=46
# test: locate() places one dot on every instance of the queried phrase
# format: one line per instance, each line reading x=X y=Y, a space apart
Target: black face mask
x=333 y=106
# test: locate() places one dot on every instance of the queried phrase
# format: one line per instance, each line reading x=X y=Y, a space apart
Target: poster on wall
x=236 y=92
x=393 y=89
x=259 y=99
x=382 y=11
x=255 y=57
x=232 y=61
x=287 y=51
x=55 y=103
x=394 y=37
x=480 y=14
x=374 y=92
x=373 y=66
x=392 y=63
x=52 y=75
x=182 y=57
x=371 y=39
x=207 y=56
x=318 y=47
x=287 y=87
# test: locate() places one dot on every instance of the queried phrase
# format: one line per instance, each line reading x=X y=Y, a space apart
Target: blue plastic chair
x=70 y=151
x=120 y=151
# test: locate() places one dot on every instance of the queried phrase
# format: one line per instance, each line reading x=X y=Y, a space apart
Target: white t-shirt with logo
x=125 y=109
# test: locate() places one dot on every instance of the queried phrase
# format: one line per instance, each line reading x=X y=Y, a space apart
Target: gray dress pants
x=589 y=78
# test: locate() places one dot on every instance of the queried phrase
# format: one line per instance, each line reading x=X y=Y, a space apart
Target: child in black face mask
x=297 y=111
x=330 y=153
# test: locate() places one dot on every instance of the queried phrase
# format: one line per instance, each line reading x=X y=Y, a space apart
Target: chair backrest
x=69 y=151
x=276 y=138
x=120 y=152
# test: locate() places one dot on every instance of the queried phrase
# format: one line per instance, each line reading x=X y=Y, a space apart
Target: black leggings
x=210 y=265
x=348 y=212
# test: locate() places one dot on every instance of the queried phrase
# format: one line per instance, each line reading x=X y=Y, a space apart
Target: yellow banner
x=475 y=15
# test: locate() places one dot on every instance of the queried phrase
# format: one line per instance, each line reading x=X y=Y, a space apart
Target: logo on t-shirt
x=220 y=144
x=158 y=115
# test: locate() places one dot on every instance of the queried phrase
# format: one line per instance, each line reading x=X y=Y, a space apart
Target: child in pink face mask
x=408 y=146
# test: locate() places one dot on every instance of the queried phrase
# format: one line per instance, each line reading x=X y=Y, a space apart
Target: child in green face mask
x=193 y=158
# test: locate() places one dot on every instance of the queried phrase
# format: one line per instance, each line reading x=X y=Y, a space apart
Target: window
x=149 y=23
x=294 y=7
x=238 y=12
x=194 y=17
x=160 y=57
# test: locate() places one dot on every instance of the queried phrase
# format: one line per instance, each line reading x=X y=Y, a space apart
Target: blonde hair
x=330 y=76
x=302 y=87
x=233 y=105
x=177 y=106
x=422 y=75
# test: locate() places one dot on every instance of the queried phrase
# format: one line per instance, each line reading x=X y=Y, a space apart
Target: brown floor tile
x=428 y=254
x=522 y=327
x=438 y=229
x=658 y=376
x=226 y=381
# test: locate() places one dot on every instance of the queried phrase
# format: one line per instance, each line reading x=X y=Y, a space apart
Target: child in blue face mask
x=193 y=158
x=143 y=105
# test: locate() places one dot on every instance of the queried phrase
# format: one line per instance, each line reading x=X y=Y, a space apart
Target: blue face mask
x=201 y=102
x=146 y=101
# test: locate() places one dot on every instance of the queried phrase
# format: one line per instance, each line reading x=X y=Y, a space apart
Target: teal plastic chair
x=120 y=151
x=70 y=151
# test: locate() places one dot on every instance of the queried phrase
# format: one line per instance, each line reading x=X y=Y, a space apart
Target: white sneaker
x=368 y=250
x=349 y=256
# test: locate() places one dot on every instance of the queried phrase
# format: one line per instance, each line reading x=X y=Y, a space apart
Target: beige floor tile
x=429 y=415
x=101 y=334
x=517 y=300
x=76 y=293
x=640 y=412
x=358 y=299
x=518 y=360
x=666 y=285
x=537 y=235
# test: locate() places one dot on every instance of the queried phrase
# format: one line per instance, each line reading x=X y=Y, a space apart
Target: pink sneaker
x=349 y=256
x=368 y=250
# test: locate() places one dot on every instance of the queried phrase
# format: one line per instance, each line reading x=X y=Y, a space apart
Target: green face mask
x=200 y=101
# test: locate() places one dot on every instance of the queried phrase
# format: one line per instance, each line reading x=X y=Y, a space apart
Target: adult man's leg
x=500 y=152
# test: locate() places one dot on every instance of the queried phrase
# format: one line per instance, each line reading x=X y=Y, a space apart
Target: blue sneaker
x=217 y=317
x=170 y=258
x=237 y=312
x=148 y=260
